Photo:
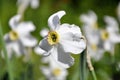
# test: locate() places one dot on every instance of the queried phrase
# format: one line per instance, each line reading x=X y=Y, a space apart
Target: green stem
x=5 y=55
x=90 y=66
x=83 y=65
x=93 y=74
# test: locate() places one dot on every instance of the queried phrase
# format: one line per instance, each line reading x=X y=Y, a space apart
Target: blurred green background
x=105 y=69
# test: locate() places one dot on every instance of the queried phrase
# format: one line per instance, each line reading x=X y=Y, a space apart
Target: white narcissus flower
x=62 y=40
x=23 y=4
x=111 y=34
x=19 y=37
x=54 y=71
x=92 y=34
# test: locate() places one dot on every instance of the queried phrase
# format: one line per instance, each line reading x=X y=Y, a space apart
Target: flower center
x=13 y=35
x=94 y=47
x=104 y=35
x=56 y=72
x=95 y=25
x=53 y=37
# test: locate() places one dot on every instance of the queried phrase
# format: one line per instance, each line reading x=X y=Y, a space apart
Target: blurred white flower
x=23 y=4
x=62 y=40
x=54 y=71
x=90 y=29
x=111 y=34
x=118 y=11
x=89 y=20
x=19 y=37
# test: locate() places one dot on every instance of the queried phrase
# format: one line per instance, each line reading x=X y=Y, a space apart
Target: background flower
x=19 y=37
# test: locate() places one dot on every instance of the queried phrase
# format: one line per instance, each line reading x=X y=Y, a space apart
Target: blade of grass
x=5 y=54
x=83 y=65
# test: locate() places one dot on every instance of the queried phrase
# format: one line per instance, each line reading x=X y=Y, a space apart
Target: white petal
x=71 y=39
x=45 y=45
x=66 y=28
x=34 y=4
x=112 y=24
x=7 y=39
x=63 y=59
x=28 y=40
x=92 y=15
x=54 y=20
x=108 y=46
x=25 y=28
x=44 y=32
x=55 y=65
x=115 y=38
x=46 y=71
x=39 y=51
x=74 y=46
x=18 y=48
x=89 y=18
x=14 y=21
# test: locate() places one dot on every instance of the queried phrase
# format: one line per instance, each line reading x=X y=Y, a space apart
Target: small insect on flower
x=19 y=37
x=62 y=40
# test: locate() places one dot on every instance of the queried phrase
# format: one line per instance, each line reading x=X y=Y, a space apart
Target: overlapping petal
x=14 y=21
x=66 y=28
x=61 y=57
x=28 y=40
x=71 y=39
x=25 y=28
x=54 y=20
x=73 y=43
x=45 y=45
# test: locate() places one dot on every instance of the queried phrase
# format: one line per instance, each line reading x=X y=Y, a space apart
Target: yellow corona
x=94 y=47
x=56 y=72
x=53 y=37
x=13 y=35
x=104 y=35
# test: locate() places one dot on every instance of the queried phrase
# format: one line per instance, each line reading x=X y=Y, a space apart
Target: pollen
x=13 y=35
x=56 y=72
x=53 y=37
x=104 y=35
